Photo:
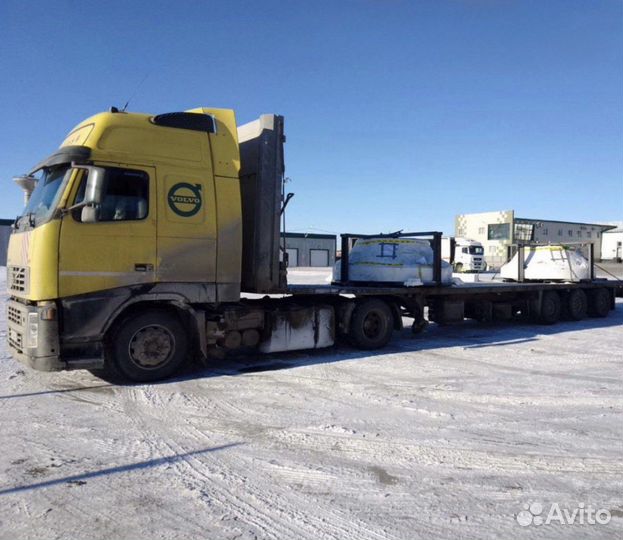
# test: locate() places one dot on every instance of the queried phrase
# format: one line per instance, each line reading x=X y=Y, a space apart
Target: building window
x=559 y=232
x=570 y=232
x=597 y=234
x=588 y=234
x=524 y=232
x=481 y=231
x=545 y=232
x=579 y=234
x=499 y=231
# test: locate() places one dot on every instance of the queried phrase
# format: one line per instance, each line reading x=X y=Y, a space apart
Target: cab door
x=187 y=231
x=118 y=248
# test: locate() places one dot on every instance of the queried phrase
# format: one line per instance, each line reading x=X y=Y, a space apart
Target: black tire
x=576 y=306
x=551 y=307
x=598 y=302
x=371 y=325
x=148 y=346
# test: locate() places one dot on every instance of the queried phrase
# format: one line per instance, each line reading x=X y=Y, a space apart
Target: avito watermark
x=582 y=514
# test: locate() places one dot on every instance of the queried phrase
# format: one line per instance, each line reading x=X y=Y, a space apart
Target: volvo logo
x=185 y=199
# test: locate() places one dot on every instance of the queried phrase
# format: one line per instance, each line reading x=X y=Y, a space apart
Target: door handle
x=143 y=267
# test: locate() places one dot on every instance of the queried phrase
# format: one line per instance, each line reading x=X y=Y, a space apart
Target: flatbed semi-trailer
x=506 y=298
x=143 y=236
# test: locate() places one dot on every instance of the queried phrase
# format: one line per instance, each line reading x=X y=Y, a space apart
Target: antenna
x=135 y=92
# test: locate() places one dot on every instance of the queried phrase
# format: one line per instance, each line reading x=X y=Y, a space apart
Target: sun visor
x=66 y=154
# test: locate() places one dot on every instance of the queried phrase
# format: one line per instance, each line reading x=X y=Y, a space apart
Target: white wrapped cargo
x=406 y=261
x=549 y=263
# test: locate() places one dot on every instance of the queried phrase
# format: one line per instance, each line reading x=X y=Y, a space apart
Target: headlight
x=32 y=333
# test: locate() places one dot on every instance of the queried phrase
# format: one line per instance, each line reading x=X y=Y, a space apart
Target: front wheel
x=148 y=346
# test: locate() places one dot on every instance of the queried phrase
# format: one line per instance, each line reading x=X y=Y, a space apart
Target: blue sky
x=399 y=114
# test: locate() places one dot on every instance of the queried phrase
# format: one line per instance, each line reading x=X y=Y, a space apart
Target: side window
x=126 y=196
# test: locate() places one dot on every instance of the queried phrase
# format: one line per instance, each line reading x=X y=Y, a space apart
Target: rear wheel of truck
x=551 y=307
x=598 y=302
x=576 y=305
x=148 y=346
x=371 y=325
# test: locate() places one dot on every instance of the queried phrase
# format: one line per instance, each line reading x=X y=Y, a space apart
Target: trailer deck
x=462 y=290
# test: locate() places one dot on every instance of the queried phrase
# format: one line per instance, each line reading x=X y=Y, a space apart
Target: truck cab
x=137 y=209
x=464 y=254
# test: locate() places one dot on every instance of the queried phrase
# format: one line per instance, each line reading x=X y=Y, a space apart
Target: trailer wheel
x=598 y=303
x=576 y=305
x=149 y=346
x=551 y=307
x=371 y=325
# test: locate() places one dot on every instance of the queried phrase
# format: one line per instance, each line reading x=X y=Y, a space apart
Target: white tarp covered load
x=559 y=263
x=396 y=260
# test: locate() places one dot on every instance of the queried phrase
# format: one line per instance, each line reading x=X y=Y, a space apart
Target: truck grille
x=16 y=316
x=17 y=279
x=16 y=340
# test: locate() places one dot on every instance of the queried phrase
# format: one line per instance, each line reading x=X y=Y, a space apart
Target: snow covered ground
x=447 y=434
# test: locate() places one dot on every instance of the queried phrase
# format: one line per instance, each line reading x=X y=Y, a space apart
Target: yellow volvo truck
x=141 y=232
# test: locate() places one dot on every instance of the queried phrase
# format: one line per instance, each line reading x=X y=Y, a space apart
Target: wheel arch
x=193 y=320
x=346 y=311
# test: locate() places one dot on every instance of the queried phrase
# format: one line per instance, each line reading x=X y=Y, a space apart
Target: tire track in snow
x=262 y=507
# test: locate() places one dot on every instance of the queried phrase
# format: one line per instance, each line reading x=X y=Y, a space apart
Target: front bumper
x=32 y=340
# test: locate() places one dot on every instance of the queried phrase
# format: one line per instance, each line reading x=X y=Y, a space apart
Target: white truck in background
x=463 y=254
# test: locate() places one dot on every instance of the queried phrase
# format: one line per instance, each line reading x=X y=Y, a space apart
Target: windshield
x=476 y=250
x=45 y=196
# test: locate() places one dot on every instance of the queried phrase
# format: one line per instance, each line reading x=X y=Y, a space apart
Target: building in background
x=303 y=249
x=612 y=243
x=5 y=232
x=498 y=231
x=307 y=249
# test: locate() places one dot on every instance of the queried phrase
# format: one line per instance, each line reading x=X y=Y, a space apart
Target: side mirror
x=93 y=192
x=88 y=214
